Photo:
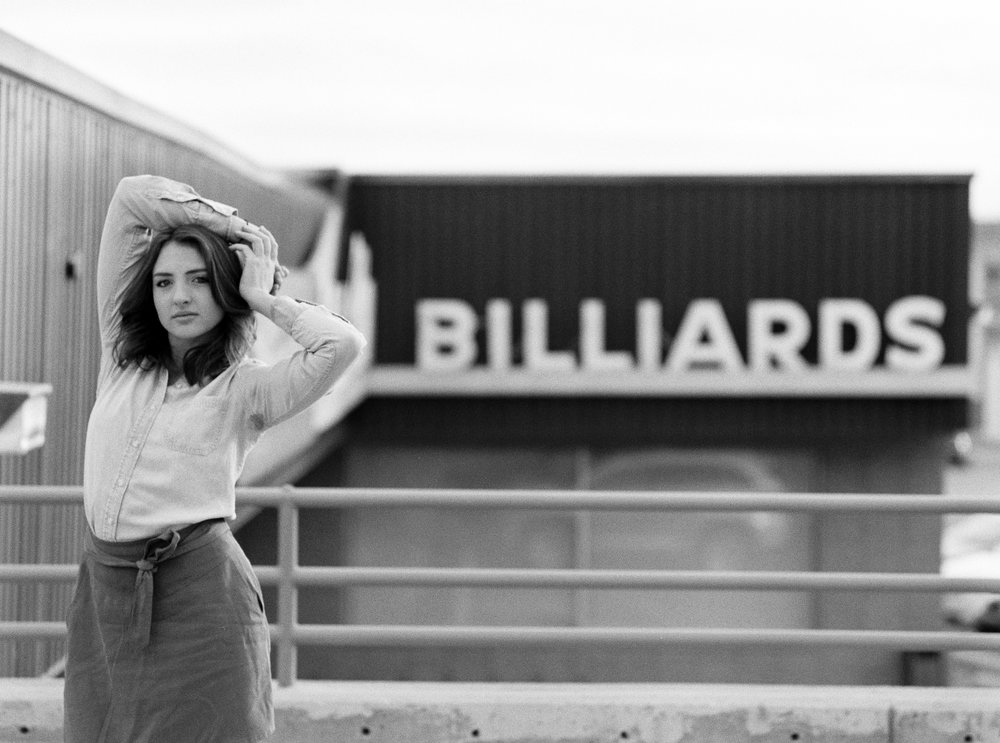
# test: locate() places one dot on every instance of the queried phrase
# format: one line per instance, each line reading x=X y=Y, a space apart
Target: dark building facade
x=802 y=334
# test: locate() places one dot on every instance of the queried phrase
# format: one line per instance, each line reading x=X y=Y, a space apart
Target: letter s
x=912 y=322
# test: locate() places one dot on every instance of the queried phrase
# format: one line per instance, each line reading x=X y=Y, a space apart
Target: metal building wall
x=673 y=240
x=60 y=161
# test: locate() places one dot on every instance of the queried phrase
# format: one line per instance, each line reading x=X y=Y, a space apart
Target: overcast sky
x=553 y=86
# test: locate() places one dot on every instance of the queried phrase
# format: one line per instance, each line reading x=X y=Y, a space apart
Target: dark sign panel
x=667 y=287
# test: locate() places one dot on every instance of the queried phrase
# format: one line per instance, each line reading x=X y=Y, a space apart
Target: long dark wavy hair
x=143 y=341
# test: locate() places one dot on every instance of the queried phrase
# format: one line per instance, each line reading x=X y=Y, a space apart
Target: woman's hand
x=262 y=274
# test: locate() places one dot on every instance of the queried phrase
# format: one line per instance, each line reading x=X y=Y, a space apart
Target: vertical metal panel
x=59 y=164
x=22 y=267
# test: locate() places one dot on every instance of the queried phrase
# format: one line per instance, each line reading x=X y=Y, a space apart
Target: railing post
x=288 y=594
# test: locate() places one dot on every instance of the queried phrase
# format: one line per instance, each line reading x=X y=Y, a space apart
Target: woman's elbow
x=353 y=343
x=338 y=355
x=131 y=188
x=134 y=182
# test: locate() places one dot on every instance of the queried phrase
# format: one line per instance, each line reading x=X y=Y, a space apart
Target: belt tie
x=161 y=548
x=158 y=549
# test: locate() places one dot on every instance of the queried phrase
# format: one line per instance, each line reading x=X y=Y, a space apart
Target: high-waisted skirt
x=168 y=642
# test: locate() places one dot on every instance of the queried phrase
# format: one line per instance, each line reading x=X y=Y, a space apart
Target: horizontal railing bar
x=408 y=635
x=611 y=500
x=32 y=630
x=629 y=579
x=42 y=494
x=617 y=500
x=44 y=573
x=573 y=579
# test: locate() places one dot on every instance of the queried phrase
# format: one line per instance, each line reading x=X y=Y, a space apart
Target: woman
x=168 y=641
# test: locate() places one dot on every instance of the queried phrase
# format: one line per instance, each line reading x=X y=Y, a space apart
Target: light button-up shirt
x=161 y=456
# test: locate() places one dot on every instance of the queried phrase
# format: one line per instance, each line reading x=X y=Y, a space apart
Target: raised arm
x=329 y=342
x=329 y=345
x=141 y=206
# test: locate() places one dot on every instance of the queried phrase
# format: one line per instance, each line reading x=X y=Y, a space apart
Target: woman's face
x=183 y=297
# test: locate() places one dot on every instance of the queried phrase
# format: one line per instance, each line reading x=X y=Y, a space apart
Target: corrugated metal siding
x=60 y=164
x=23 y=125
x=673 y=239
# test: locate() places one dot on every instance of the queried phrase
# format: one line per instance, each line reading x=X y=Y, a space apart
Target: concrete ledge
x=31 y=710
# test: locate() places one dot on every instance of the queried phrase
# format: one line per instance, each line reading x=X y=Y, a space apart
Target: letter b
x=446 y=335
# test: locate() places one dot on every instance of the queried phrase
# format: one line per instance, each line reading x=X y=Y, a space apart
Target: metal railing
x=288 y=575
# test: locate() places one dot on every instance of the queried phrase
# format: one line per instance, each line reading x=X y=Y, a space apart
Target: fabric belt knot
x=155 y=551
x=159 y=549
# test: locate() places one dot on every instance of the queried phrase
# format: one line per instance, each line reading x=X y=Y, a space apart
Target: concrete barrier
x=395 y=712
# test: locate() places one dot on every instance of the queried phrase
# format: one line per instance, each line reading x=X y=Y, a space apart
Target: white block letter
x=649 y=334
x=834 y=316
x=537 y=355
x=911 y=322
x=499 y=334
x=777 y=330
x=704 y=339
x=593 y=356
x=446 y=335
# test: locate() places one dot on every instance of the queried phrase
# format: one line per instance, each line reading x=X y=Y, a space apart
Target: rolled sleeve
x=330 y=344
